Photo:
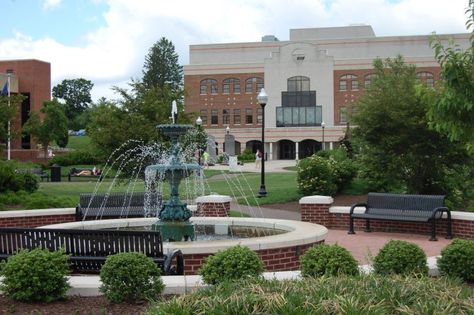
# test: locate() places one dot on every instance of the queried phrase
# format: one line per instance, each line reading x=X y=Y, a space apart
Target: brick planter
x=213 y=206
x=35 y=218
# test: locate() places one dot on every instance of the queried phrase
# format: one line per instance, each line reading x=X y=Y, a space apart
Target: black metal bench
x=41 y=173
x=396 y=207
x=88 y=249
x=117 y=205
x=74 y=171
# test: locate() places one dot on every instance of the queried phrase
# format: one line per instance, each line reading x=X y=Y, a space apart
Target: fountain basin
x=278 y=252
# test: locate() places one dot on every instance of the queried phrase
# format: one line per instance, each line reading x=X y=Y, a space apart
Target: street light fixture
x=227 y=130
x=199 y=124
x=262 y=99
x=323 y=125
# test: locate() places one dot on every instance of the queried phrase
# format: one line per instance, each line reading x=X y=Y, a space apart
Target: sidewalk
x=270 y=166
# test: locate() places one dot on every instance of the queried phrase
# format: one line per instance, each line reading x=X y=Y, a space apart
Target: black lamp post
x=199 y=124
x=262 y=99
x=323 y=125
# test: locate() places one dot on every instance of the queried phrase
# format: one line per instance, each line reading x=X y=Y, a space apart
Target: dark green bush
x=315 y=177
x=400 y=257
x=232 y=264
x=14 y=178
x=36 y=275
x=78 y=157
x=330 y=260
x=457 y=260
x=247 y=155
x=131 y=277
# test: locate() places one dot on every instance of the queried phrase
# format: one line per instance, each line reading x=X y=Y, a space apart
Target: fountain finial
x=174 y=111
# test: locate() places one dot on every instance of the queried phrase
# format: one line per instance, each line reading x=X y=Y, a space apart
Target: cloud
x=49 y=4
x=114 y=53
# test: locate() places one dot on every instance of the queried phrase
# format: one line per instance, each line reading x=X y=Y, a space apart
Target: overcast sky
x=105 y=41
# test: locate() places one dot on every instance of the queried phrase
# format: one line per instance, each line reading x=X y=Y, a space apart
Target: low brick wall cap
x=320 y=200
x=213 y=199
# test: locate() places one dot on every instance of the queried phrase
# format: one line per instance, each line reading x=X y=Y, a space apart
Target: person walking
x=205 y=157
x=258 y=159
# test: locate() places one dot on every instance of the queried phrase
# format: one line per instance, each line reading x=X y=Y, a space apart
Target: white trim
x=324 y=200
x=213 y=199
x=36 y=213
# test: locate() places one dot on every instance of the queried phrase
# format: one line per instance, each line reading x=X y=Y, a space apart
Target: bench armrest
x=168 y=268
x=79 y=213
x=440 y=209
x=363 y=204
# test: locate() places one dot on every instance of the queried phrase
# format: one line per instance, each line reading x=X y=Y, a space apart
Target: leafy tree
x=8 y=109
x=161 y=66
x=397 y=149
x=453 y=113
x=76 y=94
x=51 y=125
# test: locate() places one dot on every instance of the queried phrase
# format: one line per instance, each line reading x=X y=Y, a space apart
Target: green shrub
x=315 y=177
x=36 y=275
x=457 y=260
x=79 y=157
x=400 y=257
x=131 y=277
x=36 y=200
x=232 y=264
x=15 y=178
x=247 y=155
x=326 y=259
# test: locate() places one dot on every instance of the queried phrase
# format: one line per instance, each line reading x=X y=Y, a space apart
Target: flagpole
x=9 y=123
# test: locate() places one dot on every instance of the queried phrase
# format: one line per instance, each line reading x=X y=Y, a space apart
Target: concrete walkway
x=270 y=166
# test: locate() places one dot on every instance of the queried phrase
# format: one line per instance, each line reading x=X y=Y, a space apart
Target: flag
x=5 y=89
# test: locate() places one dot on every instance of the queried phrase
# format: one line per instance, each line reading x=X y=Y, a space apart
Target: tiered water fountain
x=174 y=217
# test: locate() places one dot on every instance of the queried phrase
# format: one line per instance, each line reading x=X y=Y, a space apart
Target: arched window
x=253 y=85
x=368 y=79
x=298 y=84
x=345 y=80
x=426 y=77
x=231 y=84
x=208 y=85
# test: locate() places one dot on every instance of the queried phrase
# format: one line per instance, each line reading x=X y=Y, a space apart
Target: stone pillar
x=315 y=209
x=213 y=206
x=270 y=151
x=297 y=146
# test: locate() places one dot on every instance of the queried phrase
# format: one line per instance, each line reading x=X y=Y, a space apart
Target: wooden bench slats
x=398 y=207
x=89 y=248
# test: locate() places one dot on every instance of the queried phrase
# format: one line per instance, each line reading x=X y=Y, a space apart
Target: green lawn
x=79 y=142
x=281 y=187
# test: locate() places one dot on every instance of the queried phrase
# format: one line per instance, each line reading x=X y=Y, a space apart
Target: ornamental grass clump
x=457 y=260
x=130 y=277
x=36 y=275
x=232 y=264
x=330 y=260
x=400 y=257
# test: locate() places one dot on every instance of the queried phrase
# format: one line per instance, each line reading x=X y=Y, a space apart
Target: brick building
x=31 y=78
x=316 y=76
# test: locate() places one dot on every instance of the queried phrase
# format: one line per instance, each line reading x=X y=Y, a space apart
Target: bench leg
x=367 y=226
x=351 y=226
x=433 y=230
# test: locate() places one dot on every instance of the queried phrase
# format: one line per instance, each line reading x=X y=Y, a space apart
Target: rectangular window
x=203 y=89
x=214 y=115
x=204 y=117
x=343 y=115
x=226 y=88
x=248 y=116
x=259 y=116
x=259 y=86
x=214 y=89
x=226 y=117
x=355 y=84
x=248 y=86
x=237 y=87
x=236 y=116
x=342 y=85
